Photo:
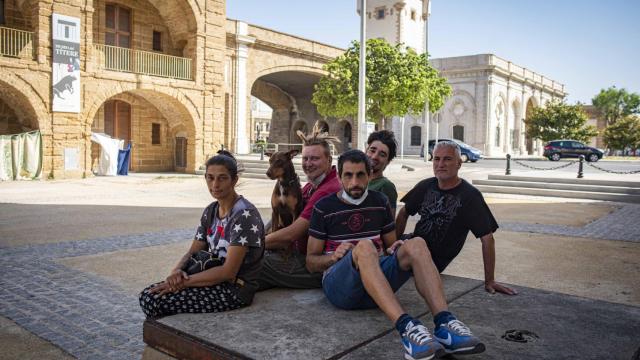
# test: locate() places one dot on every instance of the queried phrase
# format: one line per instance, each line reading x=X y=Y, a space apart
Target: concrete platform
x=289 y=324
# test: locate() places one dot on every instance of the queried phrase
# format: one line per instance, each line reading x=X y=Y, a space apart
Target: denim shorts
x=343 y=285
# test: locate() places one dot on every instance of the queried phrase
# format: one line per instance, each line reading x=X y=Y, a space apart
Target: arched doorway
x=159 y=127
x=345 y=134
x=17 y=114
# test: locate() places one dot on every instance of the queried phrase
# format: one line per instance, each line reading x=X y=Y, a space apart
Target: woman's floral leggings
x=216 y=298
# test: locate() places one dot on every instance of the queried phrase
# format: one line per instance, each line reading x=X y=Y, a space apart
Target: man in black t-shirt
x=352 y=241
x=449 y=207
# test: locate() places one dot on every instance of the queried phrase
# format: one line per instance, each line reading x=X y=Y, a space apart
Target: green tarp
x=21 y=156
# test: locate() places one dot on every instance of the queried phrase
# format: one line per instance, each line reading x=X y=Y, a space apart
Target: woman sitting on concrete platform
x=231 y=230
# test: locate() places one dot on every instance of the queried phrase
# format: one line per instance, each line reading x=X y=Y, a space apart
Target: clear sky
x=585 y=44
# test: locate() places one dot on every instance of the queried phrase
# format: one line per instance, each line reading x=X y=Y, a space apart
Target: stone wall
x=145 y=19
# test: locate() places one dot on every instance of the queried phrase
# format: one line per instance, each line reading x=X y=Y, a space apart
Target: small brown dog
x=286 y=199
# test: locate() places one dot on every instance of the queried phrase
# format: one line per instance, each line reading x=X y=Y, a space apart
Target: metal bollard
x=261 y=152
x=508 y=171
x=580 y=167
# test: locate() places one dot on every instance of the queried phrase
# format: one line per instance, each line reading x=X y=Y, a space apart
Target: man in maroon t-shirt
x=284 y=263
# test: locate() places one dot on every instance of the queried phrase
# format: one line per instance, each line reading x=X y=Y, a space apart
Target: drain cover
x=521 y=336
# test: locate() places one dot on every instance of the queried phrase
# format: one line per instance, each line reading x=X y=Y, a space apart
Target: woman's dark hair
x=225 y=159
x=354 y=156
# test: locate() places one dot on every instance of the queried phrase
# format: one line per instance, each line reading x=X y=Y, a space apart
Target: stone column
x=487 y=122
x=242 y=53
x=506 y=147
x=523 y=127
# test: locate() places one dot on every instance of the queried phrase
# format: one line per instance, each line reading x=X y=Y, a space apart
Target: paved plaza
x=75 y=253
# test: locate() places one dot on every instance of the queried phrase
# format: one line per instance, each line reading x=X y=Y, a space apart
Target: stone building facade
x=130 y=54
x=174 y=78
x=491 y=98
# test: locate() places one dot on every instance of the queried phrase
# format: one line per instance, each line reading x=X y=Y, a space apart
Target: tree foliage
x=614 y=104
x=624 y=133
x=558 y=120
x=398 y=82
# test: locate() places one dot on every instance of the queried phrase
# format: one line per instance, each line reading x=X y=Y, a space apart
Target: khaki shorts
x=287 y=271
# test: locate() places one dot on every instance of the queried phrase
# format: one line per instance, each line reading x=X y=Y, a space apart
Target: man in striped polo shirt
x=352 y=241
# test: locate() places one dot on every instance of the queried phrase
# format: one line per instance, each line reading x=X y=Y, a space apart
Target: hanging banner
x=66 y=63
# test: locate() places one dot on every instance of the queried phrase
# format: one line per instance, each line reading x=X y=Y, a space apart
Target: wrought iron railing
x=16 y=43
x=143 y=62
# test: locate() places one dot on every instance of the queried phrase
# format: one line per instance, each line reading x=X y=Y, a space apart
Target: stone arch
x=270 y=95
x=186 y=17
x=460 y=110
x=499 y=116
x=168 y=106
x=27 y=105
x=288 y=91
x=170 y=101
x=323 y=126
x=312 y=70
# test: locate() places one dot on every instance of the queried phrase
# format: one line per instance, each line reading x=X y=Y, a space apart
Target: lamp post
x=362 y=126
x=426 y=11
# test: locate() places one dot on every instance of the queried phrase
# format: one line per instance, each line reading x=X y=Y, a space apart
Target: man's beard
x=359 y=195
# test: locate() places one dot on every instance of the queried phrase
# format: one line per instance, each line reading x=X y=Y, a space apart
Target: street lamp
x=362 y=126
x=426 y=11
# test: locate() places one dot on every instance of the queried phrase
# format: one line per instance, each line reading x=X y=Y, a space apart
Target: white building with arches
x=491 y=96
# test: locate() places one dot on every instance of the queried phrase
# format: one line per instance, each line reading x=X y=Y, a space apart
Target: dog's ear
x=293 y=153
x=268 y=154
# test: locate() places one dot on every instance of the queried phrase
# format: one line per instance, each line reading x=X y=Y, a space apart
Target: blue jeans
x=343 y=285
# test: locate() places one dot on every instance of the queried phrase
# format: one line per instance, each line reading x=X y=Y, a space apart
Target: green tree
x=398 y=82
x=558 y=120
x=614 y=103
x=624 y=133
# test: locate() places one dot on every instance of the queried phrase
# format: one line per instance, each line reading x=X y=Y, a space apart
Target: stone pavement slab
x=287 y=324
x=568 y=327
x=593 y=268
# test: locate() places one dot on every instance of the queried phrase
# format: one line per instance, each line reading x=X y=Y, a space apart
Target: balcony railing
x=143 y=62
x=16 y=43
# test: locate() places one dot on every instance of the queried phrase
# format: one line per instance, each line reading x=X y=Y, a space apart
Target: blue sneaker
x=457 y=338
x=418 y=343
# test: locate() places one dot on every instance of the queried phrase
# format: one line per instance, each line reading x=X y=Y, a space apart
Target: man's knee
x=363 y=251
x=415 y=248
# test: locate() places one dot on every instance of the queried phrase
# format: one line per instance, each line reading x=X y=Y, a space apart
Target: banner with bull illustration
x=66 y=63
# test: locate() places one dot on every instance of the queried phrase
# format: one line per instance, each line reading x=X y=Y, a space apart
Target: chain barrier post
x=580 y=167
x=508 y=171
